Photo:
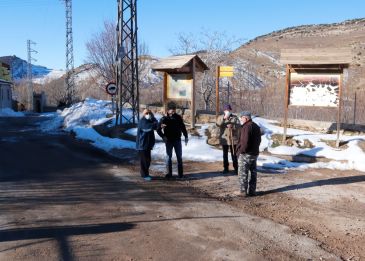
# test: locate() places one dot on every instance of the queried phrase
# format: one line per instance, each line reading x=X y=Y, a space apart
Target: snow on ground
x=7 y=112
x=353 y=156
x=82 y=116
x=80 y=119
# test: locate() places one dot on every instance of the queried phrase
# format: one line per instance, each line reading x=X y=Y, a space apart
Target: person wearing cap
x=171 y=128
x=247 y=152
x=145 y=141
x=229 y=126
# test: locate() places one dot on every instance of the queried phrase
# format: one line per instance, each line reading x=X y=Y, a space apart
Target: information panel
x=179 y=86
x=314 y=89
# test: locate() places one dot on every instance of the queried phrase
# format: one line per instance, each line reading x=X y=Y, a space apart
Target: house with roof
x=5 y=87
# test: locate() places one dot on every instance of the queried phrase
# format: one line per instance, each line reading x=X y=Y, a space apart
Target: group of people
x=239 y=135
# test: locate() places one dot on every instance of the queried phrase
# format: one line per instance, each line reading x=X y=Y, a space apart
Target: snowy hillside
x=20 y=68
x=52 y=75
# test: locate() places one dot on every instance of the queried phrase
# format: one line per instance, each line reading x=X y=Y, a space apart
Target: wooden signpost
x=314 y=77
x=221 y=71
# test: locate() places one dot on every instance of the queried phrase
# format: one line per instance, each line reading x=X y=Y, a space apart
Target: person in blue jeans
x=171 y=127
x=145 y=142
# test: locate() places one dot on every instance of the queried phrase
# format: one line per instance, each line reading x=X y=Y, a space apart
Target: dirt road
x=61 y=199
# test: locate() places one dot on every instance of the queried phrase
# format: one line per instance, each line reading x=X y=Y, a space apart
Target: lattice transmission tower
x=30 y=51
x=127 y=62
x=69 y=81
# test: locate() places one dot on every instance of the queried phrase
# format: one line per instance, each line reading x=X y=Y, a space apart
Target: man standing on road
x=248 y=151
x=170 y=129
x=229 y=125
x=145 y=142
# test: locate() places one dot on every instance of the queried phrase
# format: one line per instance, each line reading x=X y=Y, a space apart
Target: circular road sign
x=111 y=88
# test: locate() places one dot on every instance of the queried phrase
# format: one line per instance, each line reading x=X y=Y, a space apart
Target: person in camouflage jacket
x=229 y=125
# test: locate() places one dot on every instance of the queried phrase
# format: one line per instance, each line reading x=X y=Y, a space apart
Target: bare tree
x=212 y=47
x=101 y=49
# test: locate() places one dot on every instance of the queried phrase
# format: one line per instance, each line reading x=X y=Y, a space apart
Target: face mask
x=148 y=116
x=227 y=113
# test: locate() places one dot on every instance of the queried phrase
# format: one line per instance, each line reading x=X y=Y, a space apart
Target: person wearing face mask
x=248 y=151
x=145 y=141
x=229 y=126
x=170 y=129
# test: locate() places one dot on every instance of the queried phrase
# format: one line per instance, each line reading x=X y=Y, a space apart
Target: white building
x=5 y=94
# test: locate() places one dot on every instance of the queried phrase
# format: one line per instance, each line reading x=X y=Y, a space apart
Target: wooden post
x=164 y=92
x=217 y=92
x=339 y=111
x=286 y=102
x=193 y=112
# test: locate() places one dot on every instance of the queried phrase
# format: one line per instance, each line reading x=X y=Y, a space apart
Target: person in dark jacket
x=170 y=129
x=146 y=141
x=247 y=152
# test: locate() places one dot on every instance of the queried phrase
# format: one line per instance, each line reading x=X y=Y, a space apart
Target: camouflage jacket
x=225 y=132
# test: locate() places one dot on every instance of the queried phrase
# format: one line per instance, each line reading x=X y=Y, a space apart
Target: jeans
x=247 y=173
x=176 y=145
x=226 y=148
x=145 y=162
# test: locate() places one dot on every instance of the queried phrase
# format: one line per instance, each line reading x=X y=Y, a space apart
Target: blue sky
x=159 y=22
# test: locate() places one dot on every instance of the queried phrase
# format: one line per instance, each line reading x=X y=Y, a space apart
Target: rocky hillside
x=263 y=52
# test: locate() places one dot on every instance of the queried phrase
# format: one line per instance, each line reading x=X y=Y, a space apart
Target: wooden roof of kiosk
x=322 y=56
x=180 y=64
x=184 y=64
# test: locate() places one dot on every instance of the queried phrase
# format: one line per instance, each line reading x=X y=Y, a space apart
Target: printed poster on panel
x=179 y=86
x=314 y=89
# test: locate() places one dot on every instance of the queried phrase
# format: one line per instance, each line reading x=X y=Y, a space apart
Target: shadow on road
x=317 y=183
x=61 y=234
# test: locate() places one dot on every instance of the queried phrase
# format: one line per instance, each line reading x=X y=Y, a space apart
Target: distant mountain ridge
x=19 y=68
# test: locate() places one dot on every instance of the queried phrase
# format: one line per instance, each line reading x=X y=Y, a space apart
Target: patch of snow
x=52 y=75
x=7 y=112
x=81 y=117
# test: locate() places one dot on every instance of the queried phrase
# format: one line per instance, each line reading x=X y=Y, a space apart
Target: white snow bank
x=353 y=155
x=82 y=116
x=7 y=112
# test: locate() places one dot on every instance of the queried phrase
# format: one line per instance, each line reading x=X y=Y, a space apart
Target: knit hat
x=245 y=114
x=171 y=106
x=227 y=107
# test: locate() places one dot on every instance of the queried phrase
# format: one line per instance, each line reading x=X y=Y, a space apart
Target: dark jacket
x=174 y=127
x=249 y=140
x=145 y=134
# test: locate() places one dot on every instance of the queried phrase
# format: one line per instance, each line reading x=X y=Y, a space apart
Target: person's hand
x=164 y=139
x=163 y=125
x=186 y=141
x=229 y=126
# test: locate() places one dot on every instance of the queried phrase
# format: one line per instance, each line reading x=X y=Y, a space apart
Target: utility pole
x=30 y=74
x=127 y=62
x=69 y=81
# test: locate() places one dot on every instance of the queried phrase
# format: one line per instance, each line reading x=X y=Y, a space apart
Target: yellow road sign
x=226 y=68
x=226 y=74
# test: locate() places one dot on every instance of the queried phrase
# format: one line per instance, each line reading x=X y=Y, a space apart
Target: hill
x=20 y=68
